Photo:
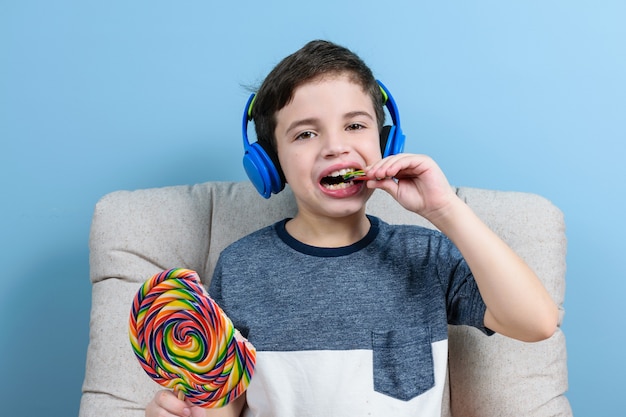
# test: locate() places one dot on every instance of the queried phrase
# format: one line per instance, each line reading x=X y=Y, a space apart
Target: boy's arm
x=518 y=305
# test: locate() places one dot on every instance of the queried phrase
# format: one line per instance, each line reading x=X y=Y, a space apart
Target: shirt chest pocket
x=403 y=362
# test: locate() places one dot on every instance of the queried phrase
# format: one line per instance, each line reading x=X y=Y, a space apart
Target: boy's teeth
x=338 y=186
x=341 y=172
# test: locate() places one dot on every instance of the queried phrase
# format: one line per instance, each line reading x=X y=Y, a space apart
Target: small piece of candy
x=354 y=175
x=184 y=341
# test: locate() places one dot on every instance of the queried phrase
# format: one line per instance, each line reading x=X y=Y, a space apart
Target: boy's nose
x=335 y=144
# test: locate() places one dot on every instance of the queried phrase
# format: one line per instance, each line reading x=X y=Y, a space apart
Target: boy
x=349 y=314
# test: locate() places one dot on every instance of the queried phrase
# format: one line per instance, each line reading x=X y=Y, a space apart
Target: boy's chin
x=341 y=206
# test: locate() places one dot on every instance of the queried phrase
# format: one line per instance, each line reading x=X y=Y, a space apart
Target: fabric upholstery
x=136 y=234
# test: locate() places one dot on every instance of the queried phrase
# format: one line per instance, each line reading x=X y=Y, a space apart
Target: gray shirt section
x=399 y=282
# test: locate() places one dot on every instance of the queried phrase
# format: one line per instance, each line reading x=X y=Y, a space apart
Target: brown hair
x=314 y=60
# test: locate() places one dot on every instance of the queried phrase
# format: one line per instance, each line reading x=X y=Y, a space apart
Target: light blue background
x=101 y=96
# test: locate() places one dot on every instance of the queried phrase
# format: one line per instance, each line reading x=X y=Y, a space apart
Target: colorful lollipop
x=184 y=341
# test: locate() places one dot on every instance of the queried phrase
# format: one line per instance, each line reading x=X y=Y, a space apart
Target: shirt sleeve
x=465 y=305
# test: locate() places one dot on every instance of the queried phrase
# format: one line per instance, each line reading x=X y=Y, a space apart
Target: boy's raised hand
x=415 y=181
x=518 y=305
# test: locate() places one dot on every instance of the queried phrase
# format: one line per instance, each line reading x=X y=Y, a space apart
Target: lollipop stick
x=179 y=394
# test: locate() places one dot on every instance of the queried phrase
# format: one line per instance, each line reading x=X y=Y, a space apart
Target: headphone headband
x=261 y=164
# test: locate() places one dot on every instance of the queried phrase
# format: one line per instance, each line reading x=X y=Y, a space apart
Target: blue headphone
x=261 y=164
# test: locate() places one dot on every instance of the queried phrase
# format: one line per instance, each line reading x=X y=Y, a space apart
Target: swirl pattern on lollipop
x=184 y=341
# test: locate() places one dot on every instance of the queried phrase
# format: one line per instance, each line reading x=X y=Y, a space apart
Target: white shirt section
x=325 y=383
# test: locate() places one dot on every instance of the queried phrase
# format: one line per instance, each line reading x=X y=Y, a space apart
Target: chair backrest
x=137 y=234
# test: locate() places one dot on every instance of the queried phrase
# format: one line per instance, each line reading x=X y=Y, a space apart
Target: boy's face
x=329 y=126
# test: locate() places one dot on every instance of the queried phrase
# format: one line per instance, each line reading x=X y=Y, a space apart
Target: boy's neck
x=328 y=232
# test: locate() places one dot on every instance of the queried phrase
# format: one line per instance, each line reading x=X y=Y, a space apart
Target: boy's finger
x=169 y=402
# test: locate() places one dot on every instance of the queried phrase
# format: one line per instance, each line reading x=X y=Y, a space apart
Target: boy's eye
x=355 y=126
x=305 y=135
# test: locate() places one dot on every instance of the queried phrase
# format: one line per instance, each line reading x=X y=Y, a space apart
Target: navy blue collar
x=295 y=244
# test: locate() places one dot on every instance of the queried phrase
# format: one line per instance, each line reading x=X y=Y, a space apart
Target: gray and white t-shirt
x=359 y=330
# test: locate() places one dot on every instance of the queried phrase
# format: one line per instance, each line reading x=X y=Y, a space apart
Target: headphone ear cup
x=384 y=139
x=261 y=169
x=391 y=141
x=391 y=137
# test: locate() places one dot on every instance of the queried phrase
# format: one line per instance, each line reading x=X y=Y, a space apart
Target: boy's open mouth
x=340 y=179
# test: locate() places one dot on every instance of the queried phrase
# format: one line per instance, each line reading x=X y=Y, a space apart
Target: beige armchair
x=137 y=234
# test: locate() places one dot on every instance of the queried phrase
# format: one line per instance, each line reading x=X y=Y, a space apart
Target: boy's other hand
x=166 y=404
